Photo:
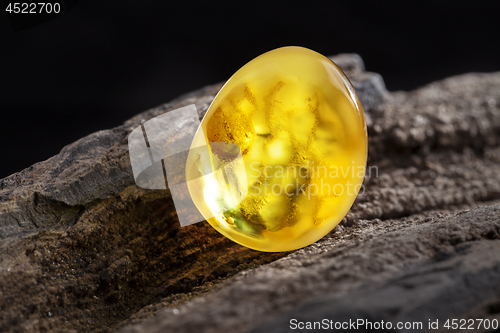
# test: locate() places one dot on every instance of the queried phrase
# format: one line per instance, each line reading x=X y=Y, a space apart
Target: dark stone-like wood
x=83 y=249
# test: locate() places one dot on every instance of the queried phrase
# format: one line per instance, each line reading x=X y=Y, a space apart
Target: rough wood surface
x=84 y=249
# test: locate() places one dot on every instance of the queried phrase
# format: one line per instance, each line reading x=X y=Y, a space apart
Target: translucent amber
x=302 y=136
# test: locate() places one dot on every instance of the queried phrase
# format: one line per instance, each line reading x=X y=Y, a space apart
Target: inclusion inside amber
x=302 y=139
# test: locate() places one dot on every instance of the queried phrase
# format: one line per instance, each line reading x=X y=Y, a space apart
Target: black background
x=104 y=61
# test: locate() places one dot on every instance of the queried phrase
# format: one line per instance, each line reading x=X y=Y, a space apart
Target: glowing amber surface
x=302 y=134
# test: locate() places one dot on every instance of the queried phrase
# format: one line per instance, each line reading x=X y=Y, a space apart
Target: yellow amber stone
x=302 y=137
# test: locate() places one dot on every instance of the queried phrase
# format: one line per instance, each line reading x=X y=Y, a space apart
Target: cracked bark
x=83 y=249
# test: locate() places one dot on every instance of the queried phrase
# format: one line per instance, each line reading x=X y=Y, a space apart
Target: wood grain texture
x=83 y=249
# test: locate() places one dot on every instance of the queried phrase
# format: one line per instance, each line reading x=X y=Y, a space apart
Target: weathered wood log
x=84 y=249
